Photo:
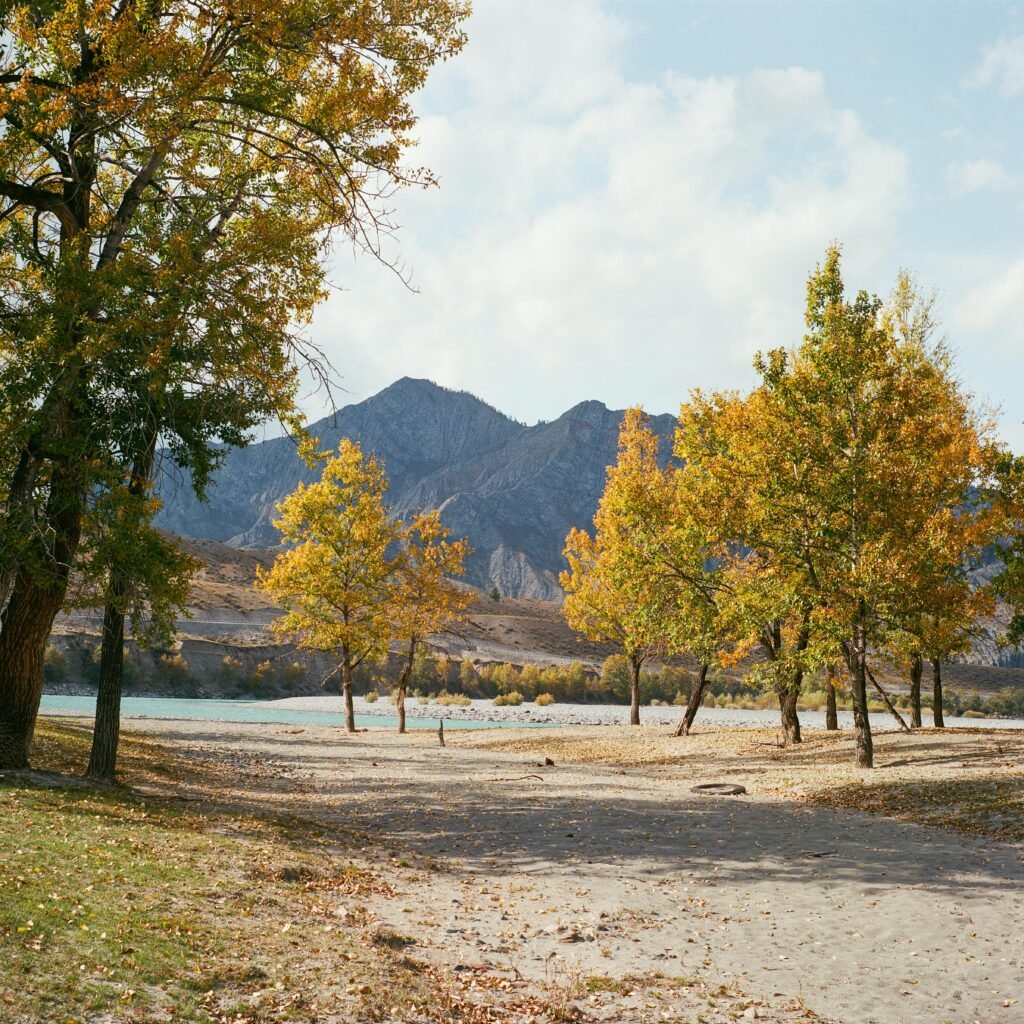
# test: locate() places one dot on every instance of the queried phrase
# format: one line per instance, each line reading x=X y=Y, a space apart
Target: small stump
x=719 y=789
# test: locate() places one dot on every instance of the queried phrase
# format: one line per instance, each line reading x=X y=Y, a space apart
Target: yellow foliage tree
x=336 y=580
x=856 y=446
x=423 y=599
x=611 y=596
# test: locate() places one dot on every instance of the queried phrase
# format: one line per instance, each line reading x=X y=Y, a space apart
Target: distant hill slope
x=515 y=491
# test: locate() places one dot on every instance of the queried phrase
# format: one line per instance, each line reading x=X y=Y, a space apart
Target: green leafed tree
x=171 y=180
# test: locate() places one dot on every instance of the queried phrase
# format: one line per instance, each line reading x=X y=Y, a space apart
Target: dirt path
x=586 y=871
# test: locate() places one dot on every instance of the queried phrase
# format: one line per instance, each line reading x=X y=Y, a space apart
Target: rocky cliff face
x=514 y=491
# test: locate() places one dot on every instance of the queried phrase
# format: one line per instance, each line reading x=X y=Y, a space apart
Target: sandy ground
x=579 y=870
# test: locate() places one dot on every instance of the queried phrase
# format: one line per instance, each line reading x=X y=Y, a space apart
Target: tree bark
x=346 y=690
x=939 y=720
x=403 y=683
x=35 y=599
x=788 y=697
x=831 y=713
x=692 y=705
x=634 y=689
x=916 y=672
x=107 y=727
x=858 y=681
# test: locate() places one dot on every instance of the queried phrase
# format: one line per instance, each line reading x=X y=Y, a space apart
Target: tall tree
x=611 y=596
x=134 y=573
x=874 y=444
x=855 y=446
x=423 y=599
x=335 y=579
x=682 y=544
x=171 y=179
x=764 y=606
x=943 y=602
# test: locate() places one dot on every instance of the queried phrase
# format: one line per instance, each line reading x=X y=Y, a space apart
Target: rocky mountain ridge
x=514 y=490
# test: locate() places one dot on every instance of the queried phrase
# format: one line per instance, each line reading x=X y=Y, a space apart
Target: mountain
x=515 y=491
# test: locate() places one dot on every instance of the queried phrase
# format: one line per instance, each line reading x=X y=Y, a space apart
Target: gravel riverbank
x=603 y=714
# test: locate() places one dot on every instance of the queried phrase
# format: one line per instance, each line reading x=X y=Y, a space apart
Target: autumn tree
x=685 y=554
x=756 y=601
x=943 y=602
x=172 y=179
x=866 y=444
x=611 y=596
x=1009 y=582
x=423 y=601
x=335 y=578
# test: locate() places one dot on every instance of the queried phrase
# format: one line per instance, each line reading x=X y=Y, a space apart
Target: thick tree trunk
x=26 y=625
x=916 y=671
x=346 y=690
x=107 y=728
x=939 y=720
x=692 y=705
x=634 y=690
x=788 y=697
x=858 y=683
x=34 y=602
x=831 y=713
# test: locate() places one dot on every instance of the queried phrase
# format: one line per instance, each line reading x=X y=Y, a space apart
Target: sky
x=633 y=192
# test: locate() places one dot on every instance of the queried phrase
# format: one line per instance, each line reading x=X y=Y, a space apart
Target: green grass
x=119 y=908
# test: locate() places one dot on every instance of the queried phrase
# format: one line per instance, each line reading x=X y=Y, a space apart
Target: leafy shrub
x=422 y=699
x=544 y=699
x=513 y=699
x=450 y=699
x=55 y=665
x=293 y=676
x=262 y=677
x=372 y=697
x=172 y=670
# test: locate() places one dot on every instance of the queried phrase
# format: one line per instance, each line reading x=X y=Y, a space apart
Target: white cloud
x=601 y=237
x=1001 y=66
x=977 y=175
x=994 y=306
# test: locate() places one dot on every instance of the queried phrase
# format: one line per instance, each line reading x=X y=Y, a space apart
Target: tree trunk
x=831 y=713
x=938 y=720
x=686 y=722
x=107 y=728
x=26 y=625
x=916 y=671
x=858 y=684
x=346 y=689
x=35 y=599
x=885 y=700
x=634 y=690
x=403 y=683
x=788 y=697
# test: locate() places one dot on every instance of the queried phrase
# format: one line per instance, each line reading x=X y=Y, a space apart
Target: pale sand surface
x=864 y=918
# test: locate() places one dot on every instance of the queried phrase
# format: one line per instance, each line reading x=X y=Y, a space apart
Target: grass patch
x=123 y=908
